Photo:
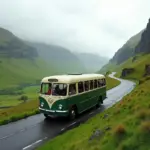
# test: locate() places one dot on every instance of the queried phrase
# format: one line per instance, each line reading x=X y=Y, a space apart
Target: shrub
x=23 y=98
x=145 y=127
x=143 y=114
x=120 y=130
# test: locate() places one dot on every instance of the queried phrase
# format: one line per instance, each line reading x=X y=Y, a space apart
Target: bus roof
x=72 y=78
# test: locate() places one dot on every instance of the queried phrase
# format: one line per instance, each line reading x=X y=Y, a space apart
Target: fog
x=98 y=26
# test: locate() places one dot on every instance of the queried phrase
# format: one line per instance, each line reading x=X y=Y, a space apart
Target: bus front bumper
x=54 y=113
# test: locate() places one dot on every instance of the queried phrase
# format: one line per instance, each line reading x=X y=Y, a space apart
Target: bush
x=143 y=114
x=120 y=130
x=23 y=98
x=145 y=127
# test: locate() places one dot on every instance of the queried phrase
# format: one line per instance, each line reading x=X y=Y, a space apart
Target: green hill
x=19 y=71
x=19 y=62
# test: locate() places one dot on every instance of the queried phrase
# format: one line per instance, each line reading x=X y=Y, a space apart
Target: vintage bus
x=72 y=94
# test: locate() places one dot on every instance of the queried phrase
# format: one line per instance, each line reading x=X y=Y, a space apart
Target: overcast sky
x=99 y=26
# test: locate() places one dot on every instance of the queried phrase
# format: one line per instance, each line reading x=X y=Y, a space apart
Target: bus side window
x=99 y=83
x=91 y=84
x=72 y=89
x=80 y=87
x=104 y=81
x=86 y=85
x=95 y=84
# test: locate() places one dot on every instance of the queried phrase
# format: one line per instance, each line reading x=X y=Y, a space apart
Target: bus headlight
x=60 y=106
x=42 y=104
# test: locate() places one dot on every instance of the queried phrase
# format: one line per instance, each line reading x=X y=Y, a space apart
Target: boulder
x=127 y=71
x=147 y=70
x=96 y=134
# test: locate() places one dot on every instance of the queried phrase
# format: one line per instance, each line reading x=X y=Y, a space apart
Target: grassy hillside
x=108 y=67
x=17 y=71
x=138 y=65
x=125 y=126
x=30 y=107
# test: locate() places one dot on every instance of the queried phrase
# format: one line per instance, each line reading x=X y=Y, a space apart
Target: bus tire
x=72 y=113
x=99 y=102
x=47 y=116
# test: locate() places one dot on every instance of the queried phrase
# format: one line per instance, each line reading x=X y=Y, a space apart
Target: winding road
x=29 y=133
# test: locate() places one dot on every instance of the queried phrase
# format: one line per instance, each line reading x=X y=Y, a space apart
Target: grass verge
x=125 y=126
x=111 y=83
x=18 y=112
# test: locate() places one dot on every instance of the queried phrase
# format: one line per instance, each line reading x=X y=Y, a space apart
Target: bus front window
x=59 y=89
x=46 y=88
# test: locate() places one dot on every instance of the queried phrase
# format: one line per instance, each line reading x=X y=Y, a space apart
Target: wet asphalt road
x=29 y=133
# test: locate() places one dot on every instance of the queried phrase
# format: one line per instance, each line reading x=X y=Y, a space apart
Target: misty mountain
x=127 y=50
x=144 y=44
x=92 y=62
x=61 y=58
x=13 y=47
x=138 y=44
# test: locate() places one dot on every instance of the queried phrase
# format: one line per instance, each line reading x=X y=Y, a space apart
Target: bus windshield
x=59 y=89
x=46 y=88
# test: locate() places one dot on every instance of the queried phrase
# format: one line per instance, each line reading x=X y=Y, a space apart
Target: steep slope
x=92 y=62
x=123 y=54
x=19 y=62
x=12 y=47
x=62 y=59
x=127 y=50
x=137 y=45
x=144 y=44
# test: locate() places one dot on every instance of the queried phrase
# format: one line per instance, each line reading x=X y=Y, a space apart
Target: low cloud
x=99 y=26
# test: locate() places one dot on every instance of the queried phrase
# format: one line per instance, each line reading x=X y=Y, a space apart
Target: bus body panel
x=82 y=102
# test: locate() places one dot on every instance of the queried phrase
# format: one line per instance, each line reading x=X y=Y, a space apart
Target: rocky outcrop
x=127 y=50
x=127 y=71
x=144 y=44
x=147 y=70
x=96 y=134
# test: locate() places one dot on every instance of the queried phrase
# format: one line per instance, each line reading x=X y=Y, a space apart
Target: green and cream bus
x=72 y=94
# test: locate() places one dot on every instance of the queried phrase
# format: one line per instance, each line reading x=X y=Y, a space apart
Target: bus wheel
x=99 y=102
x=72 y=113
x=46 y=116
